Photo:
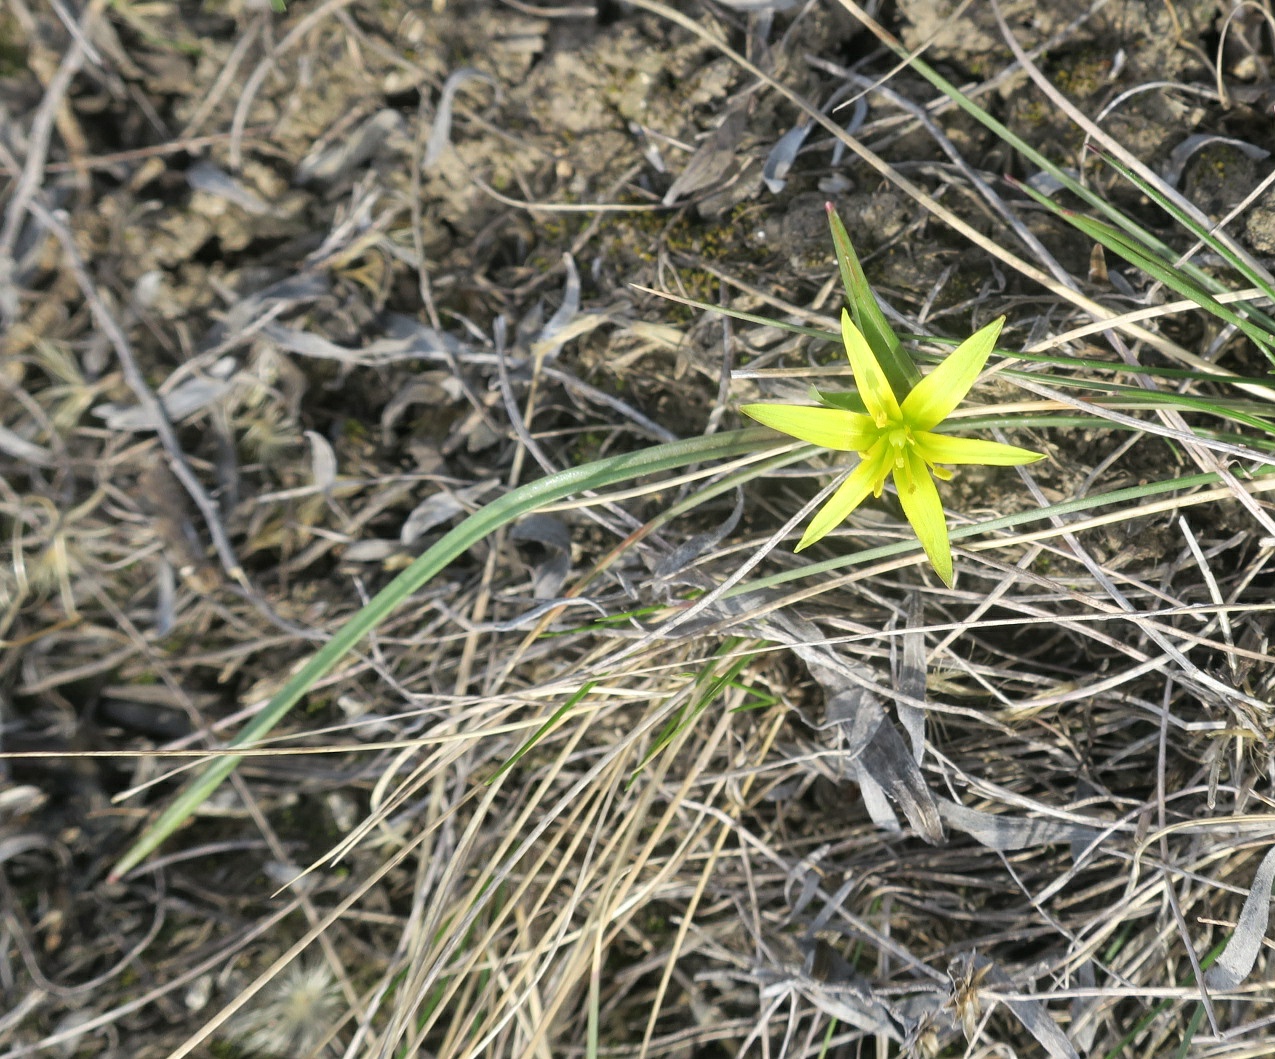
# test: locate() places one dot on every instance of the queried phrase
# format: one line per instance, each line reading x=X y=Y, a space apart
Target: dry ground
x=380 y=261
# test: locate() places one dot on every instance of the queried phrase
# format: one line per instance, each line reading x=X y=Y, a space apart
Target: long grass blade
x=490 y=518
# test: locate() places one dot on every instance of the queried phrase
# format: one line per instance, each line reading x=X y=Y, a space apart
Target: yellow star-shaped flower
x=898 y=437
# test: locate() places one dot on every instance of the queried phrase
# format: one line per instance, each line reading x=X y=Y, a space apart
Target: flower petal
x=861 y=481
x=873 y=386
x=933 y=398
x=942 y=448
x=830 y=428
x=920 y=499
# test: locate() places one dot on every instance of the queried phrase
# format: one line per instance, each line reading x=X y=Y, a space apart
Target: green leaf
x=848 y=400
x=480 y=524
x=1255 y=275
x=867 y=314
x=1172 y=277
x=545 y=729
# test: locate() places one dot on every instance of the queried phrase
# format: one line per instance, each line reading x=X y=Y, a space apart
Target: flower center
x=900 y=438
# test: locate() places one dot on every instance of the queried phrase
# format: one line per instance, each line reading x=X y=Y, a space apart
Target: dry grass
x=586 y=794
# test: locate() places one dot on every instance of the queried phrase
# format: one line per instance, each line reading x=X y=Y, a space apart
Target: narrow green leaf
x=1258 y=277
x=1136 y=493
x=1173 y=278
x=899 y=368
x=1046 y=165
x=501 y=512
x=544 y=729
x=1151 y=261
x=848 y=400
x=713 y=684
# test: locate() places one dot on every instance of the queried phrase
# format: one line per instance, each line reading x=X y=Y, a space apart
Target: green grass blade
x=501 y=512
x=1157 y=263
x=1007 y=135
x=1164 y=1005
x=712 y=684
x=1090 y=502
x=544 y=729
x=1256 y=276
x=1172 y=277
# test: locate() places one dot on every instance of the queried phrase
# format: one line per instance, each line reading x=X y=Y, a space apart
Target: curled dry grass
x=632 y=823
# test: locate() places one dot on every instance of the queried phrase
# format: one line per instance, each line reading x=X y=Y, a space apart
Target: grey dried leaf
x=322 y=461
x=782 y=156
x=871 y=1016
x=807 y=873
x=286 y=294
x=650 y=149
x=875 y=755
x=828 y=982
x=440 y=508
x=1083 y=1029
x=1183 y=153
x=1031 y=1013
x=440 y=135
x=878 y=806
x=408 y=337
x=868 y=1015
x=1048 y=184
x=25 y=451
x=182 y=401
x=759 y=5
x=552 y=535
x=308 y=344
x=567 y=311
x=529 y=617
x=1003 y=832
x=686 y=553
x=910 y=678
x=1241 y=952
x=545 y=530
x=887 y=760
x=714 y=159
x=330 y=165
x=855 y=714
x=20 y=799
x=857 y=117
x=432 y=388
x=165 y=598
x=372 y=550
x=15 y=845
x=208 y=178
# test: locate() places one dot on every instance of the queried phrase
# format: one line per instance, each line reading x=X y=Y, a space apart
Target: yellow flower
x=897 y=437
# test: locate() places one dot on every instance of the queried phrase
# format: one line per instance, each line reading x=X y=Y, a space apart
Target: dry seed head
x=291 y=1015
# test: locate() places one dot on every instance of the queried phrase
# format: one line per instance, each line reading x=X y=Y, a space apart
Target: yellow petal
x=862 y=480
x=934 y=397
x=873 y=386
x=830 y=428
x=920 y=499
x=941 y=448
